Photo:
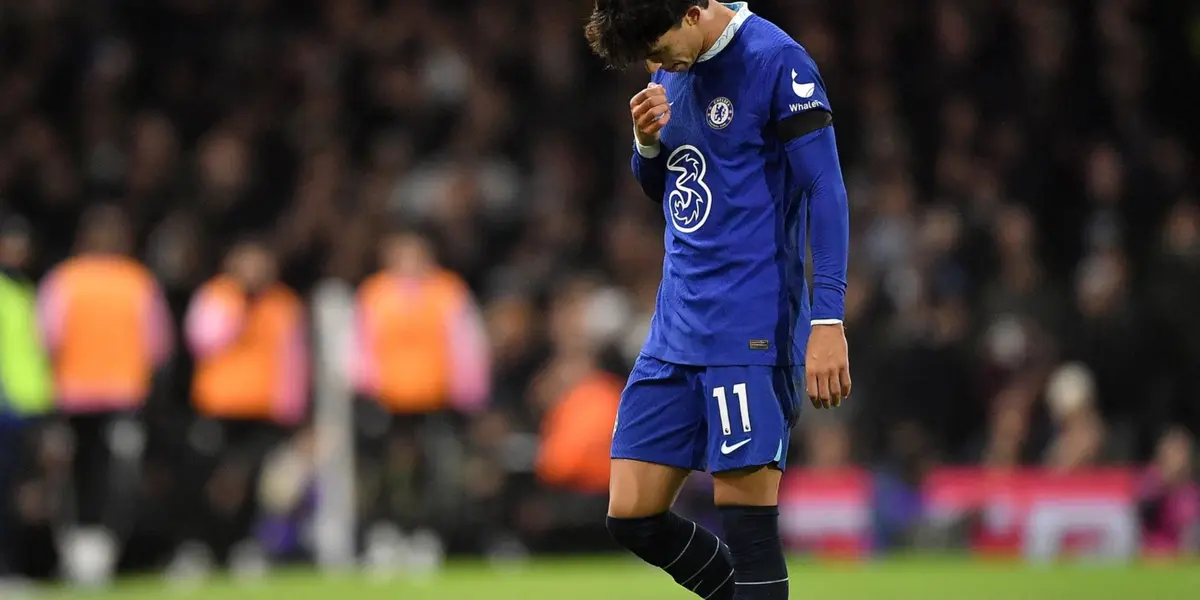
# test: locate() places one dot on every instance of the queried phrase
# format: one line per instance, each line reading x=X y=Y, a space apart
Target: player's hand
x=827 y=366
x=651 y=112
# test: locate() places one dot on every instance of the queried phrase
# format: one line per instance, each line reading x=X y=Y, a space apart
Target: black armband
x=797 y=126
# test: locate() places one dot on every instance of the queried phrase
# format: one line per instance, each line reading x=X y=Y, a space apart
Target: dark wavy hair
x=623 y=31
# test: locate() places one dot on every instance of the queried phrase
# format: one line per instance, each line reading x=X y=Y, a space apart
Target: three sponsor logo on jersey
x=691 y=200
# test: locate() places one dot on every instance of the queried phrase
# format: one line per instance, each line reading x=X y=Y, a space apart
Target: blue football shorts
x=706 y=418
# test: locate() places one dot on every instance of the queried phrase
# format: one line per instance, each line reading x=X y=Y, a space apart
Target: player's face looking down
x=680 y=47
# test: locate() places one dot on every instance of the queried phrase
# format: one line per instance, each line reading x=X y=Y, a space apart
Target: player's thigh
x=641 y=489
x=658 y=437
x=748 y=431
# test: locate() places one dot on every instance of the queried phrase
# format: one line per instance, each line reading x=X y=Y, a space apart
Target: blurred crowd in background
x=178 y=176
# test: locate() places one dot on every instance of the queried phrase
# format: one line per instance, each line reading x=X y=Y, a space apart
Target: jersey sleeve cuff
x=826 y=322
x=828 y=303
x=647 y=151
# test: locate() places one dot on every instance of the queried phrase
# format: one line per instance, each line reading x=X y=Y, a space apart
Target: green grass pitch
x=607 y=579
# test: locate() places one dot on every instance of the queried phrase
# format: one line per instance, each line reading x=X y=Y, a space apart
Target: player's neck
x=716 y=19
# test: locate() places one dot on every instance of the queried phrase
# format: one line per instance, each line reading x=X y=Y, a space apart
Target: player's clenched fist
x=827 y=366
x=651 y=112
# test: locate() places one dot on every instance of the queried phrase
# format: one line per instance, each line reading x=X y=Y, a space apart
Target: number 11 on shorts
x=739 y=390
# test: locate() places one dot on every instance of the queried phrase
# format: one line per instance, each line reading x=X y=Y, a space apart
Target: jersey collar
x=742 y=13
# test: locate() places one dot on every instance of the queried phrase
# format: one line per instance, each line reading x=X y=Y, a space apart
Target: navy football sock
x=689 y=553
x=760 y=569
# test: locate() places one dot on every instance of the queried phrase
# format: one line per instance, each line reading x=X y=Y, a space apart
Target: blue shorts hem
x=775 y=463
x=656 y=461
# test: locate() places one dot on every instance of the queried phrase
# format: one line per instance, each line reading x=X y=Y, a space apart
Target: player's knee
x=758 y=486
x=633 y=506
x=638 y=532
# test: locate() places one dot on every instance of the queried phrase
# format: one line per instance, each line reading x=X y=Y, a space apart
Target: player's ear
x=692 y=16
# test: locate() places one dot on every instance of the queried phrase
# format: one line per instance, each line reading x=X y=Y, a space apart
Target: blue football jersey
x=733 y=290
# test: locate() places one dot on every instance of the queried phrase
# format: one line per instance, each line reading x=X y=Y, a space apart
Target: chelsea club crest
x=720 y=113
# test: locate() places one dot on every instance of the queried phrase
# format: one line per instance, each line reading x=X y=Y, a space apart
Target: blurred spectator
x=574 y=428
x=1169 y=499
x=422 y=363
x=898 y=502
x=248 y=335
x=516 y=345
x=1078 y=437
x=1174 y=280
x=421 y=337
x=1022 y=289
x=1009 y=433
x=572 y=458
x=1111 y=340
x=286 y=497
x=577 y=402
x=25 y=384
x=107 y=329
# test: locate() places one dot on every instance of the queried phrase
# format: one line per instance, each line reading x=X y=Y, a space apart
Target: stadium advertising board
x=1036 y=514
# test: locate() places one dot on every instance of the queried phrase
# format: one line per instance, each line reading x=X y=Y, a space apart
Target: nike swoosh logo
x=726 y=448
